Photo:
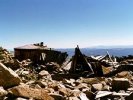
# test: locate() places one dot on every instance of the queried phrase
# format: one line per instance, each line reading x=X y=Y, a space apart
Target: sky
x=66 y=23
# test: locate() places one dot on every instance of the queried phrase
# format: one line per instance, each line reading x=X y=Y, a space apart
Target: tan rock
x=64 y=91
x=73 y=98
x=90 y=80
x=97 y=87
x=43 y=73
x=122 y=74
x=82 y=86
x=27 y=92
x=75 y=92
x=2 y=92
x=8 y=77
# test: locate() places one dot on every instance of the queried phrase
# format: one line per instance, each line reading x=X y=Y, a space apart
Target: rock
x=27 y=92
x=120 y=84
x=52 y=66
x=64 y=91
x=75 y=92
x=69 y=82
x=82 y=86
x=89 y=94
x=43 y=73
x=101 y=94
x=120 y=94
x=122 y=74
x=130 y=97
x=3 y=92
x=8 y=77
x=38 y=86
x=73 y=98
x=57 y=96
x=105 y=86
x=21 y=99
x=97 y=87
x=83 y=96
x=90 y=80
x=42 y=84
x=50 y=90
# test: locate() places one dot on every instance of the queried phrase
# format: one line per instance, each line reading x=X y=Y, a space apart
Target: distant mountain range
x=102 y=50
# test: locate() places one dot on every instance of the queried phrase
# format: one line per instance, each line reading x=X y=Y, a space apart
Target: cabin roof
x=33 y=46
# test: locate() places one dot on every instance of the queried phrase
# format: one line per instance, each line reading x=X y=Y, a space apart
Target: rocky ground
x=24 y=81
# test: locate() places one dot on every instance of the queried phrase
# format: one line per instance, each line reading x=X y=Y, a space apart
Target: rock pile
x=36 y=82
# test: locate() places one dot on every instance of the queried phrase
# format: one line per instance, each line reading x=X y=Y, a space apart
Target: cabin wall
x=35 y=55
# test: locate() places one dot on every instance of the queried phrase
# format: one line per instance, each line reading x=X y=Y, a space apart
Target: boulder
x=27 y=92
x=120 y=84
x=8 y=77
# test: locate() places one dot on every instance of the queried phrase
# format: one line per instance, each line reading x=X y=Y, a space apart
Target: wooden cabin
x=39 y=53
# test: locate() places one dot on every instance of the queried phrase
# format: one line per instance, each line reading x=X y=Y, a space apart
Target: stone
x=64 y=91
x=83 y=96
x=130 y=97
x=38 y=86
x=90 y=80
x=21 y=99
x=42 y=83
x=50 y=90
x=27 y=92
x=81 y=86
x=89 y=94
x=57 y=96
x=8 y=77
x=120 y=94
x=75 y=92
x=43 y=73
x=66 y=81
x=120 y=84
x=101 y=94
x=122 y=74
x=73 y=98
x=3 y=92
x=97 y=87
